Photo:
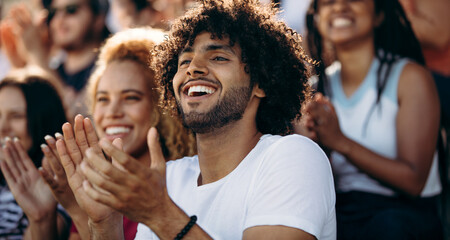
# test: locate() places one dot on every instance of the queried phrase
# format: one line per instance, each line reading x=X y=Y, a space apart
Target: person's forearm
x=108 y=229
x=397 y=173
x=171 y=222
x=43 y=229
x=80 y=219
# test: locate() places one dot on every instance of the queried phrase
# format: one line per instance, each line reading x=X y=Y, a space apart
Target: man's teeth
x=116 y=130
x=200 y=90
x=341 y=22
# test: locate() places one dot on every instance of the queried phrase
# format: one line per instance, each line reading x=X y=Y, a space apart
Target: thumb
x=157 y=160
x=118 y=143
x=41 y=18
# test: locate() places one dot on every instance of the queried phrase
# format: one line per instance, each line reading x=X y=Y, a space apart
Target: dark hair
x=394 y=38
x=98 y=7
x=271 y=51
x=45 y=111
x=141 y=4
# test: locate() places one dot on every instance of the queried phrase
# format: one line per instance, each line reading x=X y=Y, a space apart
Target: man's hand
x=127 y=185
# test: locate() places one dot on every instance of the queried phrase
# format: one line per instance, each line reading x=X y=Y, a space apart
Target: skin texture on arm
x=417 y=129
x=31 y=193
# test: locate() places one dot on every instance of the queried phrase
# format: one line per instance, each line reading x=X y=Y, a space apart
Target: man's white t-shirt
x=282 y=181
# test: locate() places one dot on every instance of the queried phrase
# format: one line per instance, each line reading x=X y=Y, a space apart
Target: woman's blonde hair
x=136 y=45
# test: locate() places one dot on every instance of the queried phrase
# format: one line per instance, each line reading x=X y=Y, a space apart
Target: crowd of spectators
x=377 y=103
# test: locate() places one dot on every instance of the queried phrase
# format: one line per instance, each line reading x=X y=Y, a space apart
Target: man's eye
x=327 y=2
x=184 y=62
x=218 y=58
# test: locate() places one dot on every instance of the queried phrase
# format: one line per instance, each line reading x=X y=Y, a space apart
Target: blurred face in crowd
x=123 y=106
x=72 y=23
x=347 y=21
x=125 y=12
x=13 y=116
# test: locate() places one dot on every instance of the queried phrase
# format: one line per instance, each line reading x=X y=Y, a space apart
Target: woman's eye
x=17 y=116
x=102 y=99
x=133 y=98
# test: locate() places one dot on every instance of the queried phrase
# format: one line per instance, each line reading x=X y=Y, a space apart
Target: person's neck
x=78 y=59
x=221 y=151
x=355 y=60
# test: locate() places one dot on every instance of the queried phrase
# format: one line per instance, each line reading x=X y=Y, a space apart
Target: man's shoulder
x=292 y=149
x=293 y=142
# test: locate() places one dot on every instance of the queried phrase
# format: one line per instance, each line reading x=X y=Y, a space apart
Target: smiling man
x=237 y=77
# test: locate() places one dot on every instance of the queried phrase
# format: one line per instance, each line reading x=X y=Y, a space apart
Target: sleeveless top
x=374 y=127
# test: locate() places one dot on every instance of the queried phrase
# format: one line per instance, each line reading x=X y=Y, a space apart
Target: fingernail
x=7 y=139
x=44 y=147
x=49 y=139
x=15 y=139
x=59 y=135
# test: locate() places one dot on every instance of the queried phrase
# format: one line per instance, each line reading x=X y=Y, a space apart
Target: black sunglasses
x=70 y=9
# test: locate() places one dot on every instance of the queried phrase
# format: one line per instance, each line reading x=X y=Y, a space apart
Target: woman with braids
x=124 y=103
x=377 y=111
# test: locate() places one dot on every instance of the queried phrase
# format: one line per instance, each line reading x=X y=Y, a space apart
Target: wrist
x=108 y=228
x=167 y=221
x=42 y=216
x=343 y=145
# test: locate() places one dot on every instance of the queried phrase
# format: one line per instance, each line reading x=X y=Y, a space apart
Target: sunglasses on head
x=70 y=9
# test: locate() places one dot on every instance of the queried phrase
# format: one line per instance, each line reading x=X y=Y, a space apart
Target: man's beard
x=230 y=109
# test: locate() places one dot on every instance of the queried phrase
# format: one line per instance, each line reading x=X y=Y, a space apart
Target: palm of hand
x=96 y=211
x=32 y=194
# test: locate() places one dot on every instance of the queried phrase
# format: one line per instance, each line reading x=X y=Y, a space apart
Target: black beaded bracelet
x=186 y=228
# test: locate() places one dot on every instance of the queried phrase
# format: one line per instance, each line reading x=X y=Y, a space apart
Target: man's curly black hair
x=271 y=51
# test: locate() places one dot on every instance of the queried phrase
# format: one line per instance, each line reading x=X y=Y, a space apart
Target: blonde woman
x=124 y=103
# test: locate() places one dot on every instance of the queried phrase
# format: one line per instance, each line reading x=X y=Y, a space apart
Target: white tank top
x=378 y=135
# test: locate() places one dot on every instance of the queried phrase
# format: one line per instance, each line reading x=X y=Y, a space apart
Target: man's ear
x=258 y=92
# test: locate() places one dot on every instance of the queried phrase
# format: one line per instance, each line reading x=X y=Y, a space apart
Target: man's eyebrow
x=224 y=47
x=186 y=50
x=211 y=47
